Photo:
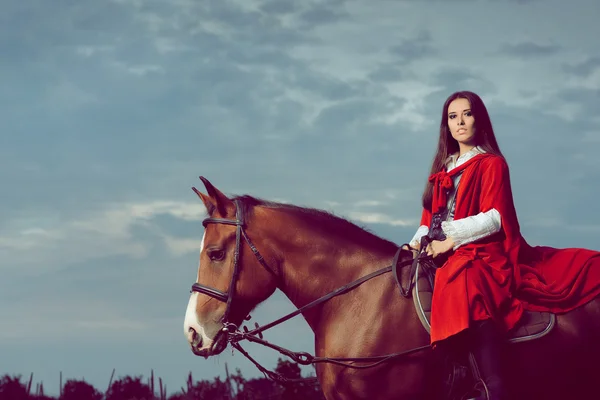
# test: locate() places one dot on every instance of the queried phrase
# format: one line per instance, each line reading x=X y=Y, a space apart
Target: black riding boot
x=486 y=359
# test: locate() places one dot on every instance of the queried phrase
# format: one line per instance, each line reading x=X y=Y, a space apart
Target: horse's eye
x=216 y=254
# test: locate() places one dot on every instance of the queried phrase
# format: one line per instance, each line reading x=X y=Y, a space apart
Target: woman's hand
x=436 y=247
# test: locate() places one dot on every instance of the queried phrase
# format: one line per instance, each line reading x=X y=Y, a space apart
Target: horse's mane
x=322 y=219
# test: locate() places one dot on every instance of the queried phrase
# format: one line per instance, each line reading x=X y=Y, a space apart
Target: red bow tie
x=442 y=183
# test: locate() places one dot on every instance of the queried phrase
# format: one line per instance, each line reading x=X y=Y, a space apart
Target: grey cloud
x=259 y=57
x=438 y=1
x=183 y=124
x=455 y=79
x=253 y=28
x=203 y=105
x=204 y=110
x=516 y=1
x=587 y=101
x=51 y=31
x=324 y=86
x=413 y=48
x=187 y=26
x=469 y=1
x=388 y=72
x=176 y=227
x=530 y=49
x=131 y=280
x=229 y=13
x=337 y=119
x=585 y=68
x=278 y=7
x=321 y=15
x=404 y=53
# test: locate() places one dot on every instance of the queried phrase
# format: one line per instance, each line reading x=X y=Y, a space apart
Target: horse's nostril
x=196 y=339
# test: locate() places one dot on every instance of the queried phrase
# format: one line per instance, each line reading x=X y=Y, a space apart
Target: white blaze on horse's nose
x=191 y=317
x=191 y=324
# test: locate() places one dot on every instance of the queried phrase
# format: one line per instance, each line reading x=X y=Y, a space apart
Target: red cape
x=501 y=275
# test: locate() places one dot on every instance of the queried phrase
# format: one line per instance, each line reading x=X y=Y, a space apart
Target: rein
x=234 y=335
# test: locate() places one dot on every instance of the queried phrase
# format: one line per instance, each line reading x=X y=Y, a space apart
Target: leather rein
x=235 y=336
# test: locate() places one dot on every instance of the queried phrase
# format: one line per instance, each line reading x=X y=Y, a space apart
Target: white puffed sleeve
x=470 y=229
x=416 y=240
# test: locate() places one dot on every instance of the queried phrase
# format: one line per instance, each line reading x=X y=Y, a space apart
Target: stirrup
x=482 y=389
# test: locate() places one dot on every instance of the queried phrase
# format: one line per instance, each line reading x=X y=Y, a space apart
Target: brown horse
x=251 y=247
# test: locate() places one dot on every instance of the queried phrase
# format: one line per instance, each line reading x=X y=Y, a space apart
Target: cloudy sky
x=110 y=110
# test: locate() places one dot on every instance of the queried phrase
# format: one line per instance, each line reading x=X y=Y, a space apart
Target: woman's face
x=461 y=122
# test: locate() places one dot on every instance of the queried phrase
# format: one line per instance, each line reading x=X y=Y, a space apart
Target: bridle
x=234 y=335
x=227 y=297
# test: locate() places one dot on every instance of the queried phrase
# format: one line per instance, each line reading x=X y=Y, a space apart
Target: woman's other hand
x=437 y=247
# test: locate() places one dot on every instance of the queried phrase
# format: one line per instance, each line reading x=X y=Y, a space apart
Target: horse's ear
x=208 y=203
x=216 y=200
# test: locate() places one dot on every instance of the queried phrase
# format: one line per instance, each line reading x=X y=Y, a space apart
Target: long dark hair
x=447 y=145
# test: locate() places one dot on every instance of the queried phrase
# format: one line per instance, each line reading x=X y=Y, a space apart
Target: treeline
x=232 y=387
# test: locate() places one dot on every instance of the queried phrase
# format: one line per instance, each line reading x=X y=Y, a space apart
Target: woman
x=488 y=273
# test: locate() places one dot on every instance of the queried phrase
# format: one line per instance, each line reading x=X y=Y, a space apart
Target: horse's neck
x=314 y=263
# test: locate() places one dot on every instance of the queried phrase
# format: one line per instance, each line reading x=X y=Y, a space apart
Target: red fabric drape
x=501 y=275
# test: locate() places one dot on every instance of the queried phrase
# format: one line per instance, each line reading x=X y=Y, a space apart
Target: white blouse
x=464 y=230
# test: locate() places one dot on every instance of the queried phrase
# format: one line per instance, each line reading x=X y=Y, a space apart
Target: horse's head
x=231 y=280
